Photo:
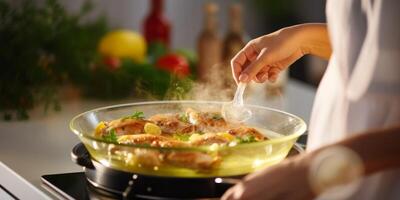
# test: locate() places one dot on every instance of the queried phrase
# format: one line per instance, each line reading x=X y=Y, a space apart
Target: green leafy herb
x=182 y=137
x=217 y=116
x=41 y=48
x=183 y=118
x=246 y=139
x=135 y=115
x=145 y=145
x=111 y=136
x=199 y=132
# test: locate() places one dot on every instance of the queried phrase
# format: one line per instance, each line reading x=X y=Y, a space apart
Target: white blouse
x=361 y=87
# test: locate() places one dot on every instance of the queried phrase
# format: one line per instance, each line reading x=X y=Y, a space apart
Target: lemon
x=226 y=135
x=194 y=137
x=123 y=44
x=99 y=128
x=124 y=139
x=151 y=128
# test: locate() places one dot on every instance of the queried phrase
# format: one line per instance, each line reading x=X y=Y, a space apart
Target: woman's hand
x=287 y=180
x=265 y=57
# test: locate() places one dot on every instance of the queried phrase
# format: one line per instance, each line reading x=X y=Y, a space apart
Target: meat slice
x=193 y=160
x=244 y=131
x=127 y=126
x=152 y=140
x=148 y=157
x=172 y=123
x=210 y=138
x=206 y=121
x=121 y=127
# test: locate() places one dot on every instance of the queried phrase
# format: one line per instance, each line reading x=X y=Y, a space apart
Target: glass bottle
x=208 y=43
x=233 y=42
x=156 y=26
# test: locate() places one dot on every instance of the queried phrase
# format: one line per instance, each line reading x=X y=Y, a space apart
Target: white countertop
x=42 y=144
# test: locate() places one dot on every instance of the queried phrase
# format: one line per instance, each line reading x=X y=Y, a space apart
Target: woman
x=357 y=105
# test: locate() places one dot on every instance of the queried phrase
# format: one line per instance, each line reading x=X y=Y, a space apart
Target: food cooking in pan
x=191 y=128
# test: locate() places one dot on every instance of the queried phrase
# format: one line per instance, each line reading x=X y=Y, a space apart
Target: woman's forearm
x=345 y=161
x=378 y=149
x=314 y=39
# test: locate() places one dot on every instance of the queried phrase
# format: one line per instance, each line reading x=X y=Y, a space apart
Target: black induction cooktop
x=67 y=186
x=75 y=186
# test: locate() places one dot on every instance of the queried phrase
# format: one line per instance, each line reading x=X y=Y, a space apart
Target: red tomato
x=112 y=63
x=175 y=64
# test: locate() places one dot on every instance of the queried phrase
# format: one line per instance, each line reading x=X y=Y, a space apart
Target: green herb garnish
x=111 y=136
x=200 y=132
x=182 y=137
x=246 y=139
x=217 y=116
x=183 y=118
x=135 y=115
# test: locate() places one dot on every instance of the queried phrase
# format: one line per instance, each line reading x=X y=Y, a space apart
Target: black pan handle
x=81 y=156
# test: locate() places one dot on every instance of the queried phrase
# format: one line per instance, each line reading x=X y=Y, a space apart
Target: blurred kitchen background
x=60 y=58
x=54 y=50
x=187 y=18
